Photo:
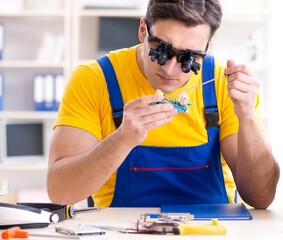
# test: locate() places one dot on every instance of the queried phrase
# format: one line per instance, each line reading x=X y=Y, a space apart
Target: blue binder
x=1 y=91
x=1 y=40
x=209 y=211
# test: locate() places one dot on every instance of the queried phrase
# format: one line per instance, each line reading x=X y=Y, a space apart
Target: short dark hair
x=190 y=12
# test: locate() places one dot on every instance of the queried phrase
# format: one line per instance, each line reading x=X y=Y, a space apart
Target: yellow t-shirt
x=86 y=105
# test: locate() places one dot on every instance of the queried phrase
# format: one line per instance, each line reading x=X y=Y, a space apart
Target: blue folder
x=209 y=211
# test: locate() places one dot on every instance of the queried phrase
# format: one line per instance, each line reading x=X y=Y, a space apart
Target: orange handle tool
x=10 y=232
x=21 y=234
x=17 y=232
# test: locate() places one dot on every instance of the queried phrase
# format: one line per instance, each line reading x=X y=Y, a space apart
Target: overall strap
x=209 y=95
x=115 y=95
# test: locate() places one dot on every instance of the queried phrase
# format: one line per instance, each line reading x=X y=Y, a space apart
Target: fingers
x=242 y=86
x=232 y=68
x=242 y=82
x=230 y=63
x=158 y=114
x=145 y=112
x=144 y=101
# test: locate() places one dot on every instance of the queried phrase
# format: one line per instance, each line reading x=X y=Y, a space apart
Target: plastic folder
x=209 y=211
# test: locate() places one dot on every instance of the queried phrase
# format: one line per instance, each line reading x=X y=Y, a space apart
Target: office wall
x=276 y=88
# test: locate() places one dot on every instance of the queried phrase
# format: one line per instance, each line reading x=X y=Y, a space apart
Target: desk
x=266 y=225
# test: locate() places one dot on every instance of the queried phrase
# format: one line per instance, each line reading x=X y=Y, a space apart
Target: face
x=169 y=77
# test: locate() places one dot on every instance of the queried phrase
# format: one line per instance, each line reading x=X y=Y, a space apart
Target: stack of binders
x=47 y=91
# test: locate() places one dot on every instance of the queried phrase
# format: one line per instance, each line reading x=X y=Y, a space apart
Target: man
x=158 y=155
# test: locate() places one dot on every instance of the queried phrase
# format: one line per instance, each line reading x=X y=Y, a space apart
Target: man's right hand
x=141 y=116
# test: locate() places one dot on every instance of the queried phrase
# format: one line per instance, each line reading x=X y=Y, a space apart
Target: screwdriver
x=17 y=232
x=10 y=232
x=71 y=211
x=211 y=229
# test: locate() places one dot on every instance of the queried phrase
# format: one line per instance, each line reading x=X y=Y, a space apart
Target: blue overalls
x=152 y=176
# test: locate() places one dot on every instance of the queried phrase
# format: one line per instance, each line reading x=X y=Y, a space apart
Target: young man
x=158 y=155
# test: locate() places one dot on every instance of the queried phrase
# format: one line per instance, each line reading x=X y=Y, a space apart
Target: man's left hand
x=243 y=87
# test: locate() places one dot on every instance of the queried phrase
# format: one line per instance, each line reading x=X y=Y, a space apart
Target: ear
x=142 y=30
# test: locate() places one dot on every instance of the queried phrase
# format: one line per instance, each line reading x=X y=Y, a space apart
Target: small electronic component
x=170 y=223
x=79 y=230
x=167 y=217
x=183 y=99
x=181 y=105
x=161 y=223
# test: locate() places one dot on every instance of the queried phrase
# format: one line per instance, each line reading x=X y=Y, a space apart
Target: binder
x=58 y=49
x=45 y=50
x=59 y=89
x=51 y=48
x=38 y=93
x=1 y=40
x=48 y=92
x=209 y=211
x=1 y=91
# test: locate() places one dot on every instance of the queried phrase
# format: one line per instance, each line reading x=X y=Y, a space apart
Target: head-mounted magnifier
x=164 y=51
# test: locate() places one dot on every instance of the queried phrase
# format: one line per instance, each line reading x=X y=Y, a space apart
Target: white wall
x=276 y=89
x=274 y=84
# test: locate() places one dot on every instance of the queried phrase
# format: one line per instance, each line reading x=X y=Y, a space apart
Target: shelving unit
x=80 y=27
x=24 y=29
x=20 y=61
x=87 y=27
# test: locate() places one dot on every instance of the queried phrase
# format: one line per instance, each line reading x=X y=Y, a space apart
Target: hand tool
x=211 y=229
x=72 y=211
x=177 y=104
x=198 y=85
x=17 y=232
x=37 y=215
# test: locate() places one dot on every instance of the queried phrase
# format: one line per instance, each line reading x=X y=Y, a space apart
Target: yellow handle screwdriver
x=209 y=229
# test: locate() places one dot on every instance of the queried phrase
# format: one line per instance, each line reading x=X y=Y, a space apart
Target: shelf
x=24 y=166
x=33 y=13
x=238 y=14
x=27 y=115
x=112 y=13
x=30 y=64
x=25 y=31
x=247 y=13
x=242 y=17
